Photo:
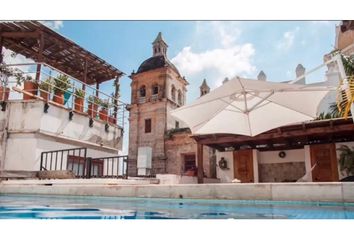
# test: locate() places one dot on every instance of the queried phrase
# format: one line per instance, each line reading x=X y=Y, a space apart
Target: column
x=200 y=163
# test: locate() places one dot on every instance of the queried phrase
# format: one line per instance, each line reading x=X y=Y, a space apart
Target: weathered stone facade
x=180 y=144
x=281 y=172
x=157 y=88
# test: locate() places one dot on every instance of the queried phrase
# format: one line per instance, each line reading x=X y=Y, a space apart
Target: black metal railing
x=109 y=167
x=76 y=160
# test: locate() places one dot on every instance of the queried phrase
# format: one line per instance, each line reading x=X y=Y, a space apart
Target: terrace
x=53 y=99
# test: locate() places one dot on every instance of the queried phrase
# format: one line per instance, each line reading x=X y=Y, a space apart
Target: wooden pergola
x=38 y=42
x=43 y=45
x=282 y=138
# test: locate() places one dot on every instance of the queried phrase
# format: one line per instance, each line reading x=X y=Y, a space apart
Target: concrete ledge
x=83 y=182
x=348 y=192
x=307 y=192
x=334 y=192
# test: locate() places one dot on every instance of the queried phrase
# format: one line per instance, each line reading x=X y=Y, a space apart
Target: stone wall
x=147 y=108
x=180 y=144
x=156 y=109
x=281 y=172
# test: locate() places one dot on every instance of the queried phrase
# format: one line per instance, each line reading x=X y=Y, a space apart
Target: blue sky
x=206 y=49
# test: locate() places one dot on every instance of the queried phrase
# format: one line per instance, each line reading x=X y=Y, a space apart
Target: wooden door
x=243 y=165
x=326 y=169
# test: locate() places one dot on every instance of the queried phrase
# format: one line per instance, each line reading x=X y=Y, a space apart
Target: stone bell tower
x=156 y=88
x=204 y=88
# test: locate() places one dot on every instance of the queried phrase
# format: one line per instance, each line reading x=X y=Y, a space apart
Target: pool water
x=75 y=207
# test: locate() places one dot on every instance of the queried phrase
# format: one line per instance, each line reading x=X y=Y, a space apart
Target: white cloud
x=228 y=62
x=55 y=25
x=287 y=40
x=221 y=56
x=227 y=32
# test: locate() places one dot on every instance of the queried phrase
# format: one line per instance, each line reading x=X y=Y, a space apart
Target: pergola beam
x=290 y=137
x=40 y=56
x=34 y=34
x=57 y=49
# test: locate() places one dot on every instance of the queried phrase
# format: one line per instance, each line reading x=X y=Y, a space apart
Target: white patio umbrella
x=250 y=107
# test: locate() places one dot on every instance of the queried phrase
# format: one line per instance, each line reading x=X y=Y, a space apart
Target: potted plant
x=61 y=85
x=5 y=73
x=4 y=93
x=93 y=103
x=112 y=119
x=104 y=110
x=31 y=86
x=45 y=88
x=79 y=100
x=346 y=159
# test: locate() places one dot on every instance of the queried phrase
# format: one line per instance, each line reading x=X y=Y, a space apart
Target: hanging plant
x=346 y=159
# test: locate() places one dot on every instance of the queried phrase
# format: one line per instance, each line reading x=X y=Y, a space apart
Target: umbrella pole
x=200 y=163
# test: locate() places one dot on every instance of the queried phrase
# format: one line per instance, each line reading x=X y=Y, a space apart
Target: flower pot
x=79 y=104
x=112 y=120
x=103 y=115
x=58 y=97
x=92 y=110
x=31 y=87
x=44 y=94
x=4 y=93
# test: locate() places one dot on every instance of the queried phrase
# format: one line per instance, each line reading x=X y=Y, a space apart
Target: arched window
x=155 y=89
x=173 y=93
x=179 y=97
x=142 y=91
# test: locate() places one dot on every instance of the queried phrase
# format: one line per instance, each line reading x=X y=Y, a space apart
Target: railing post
x=41 y=167
x=88 y=167
x=126 y=166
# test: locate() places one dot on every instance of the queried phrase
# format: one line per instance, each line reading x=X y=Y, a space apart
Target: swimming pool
x=74 y=207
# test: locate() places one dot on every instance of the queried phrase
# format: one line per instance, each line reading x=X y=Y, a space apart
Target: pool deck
x=147 y=188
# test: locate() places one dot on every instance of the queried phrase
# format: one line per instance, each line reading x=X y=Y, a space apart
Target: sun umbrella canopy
x=250 y=107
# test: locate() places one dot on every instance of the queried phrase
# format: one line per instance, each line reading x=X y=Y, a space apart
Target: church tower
x=204 y=88
x=156 y=88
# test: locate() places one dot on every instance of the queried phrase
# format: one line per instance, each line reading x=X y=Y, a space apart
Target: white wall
x=296 y=155
x=29 y=116
x=31 y=131
x=21 y=153
x=32 y=145
x=255 y=165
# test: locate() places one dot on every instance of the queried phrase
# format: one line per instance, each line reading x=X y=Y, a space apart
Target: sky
x=206 y=49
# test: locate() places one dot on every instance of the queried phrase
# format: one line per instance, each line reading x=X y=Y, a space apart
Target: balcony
x=61 y=105
x=53 y=101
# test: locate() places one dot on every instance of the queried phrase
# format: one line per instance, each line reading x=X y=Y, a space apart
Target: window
x=189 y=162
x=173 y=93
x=179 y=97
x=142 y=91
x=148 y=125
x=155 y=89
x=176 y=124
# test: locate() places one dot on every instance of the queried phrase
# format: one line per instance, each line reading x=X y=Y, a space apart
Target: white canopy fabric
x=250 y=107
